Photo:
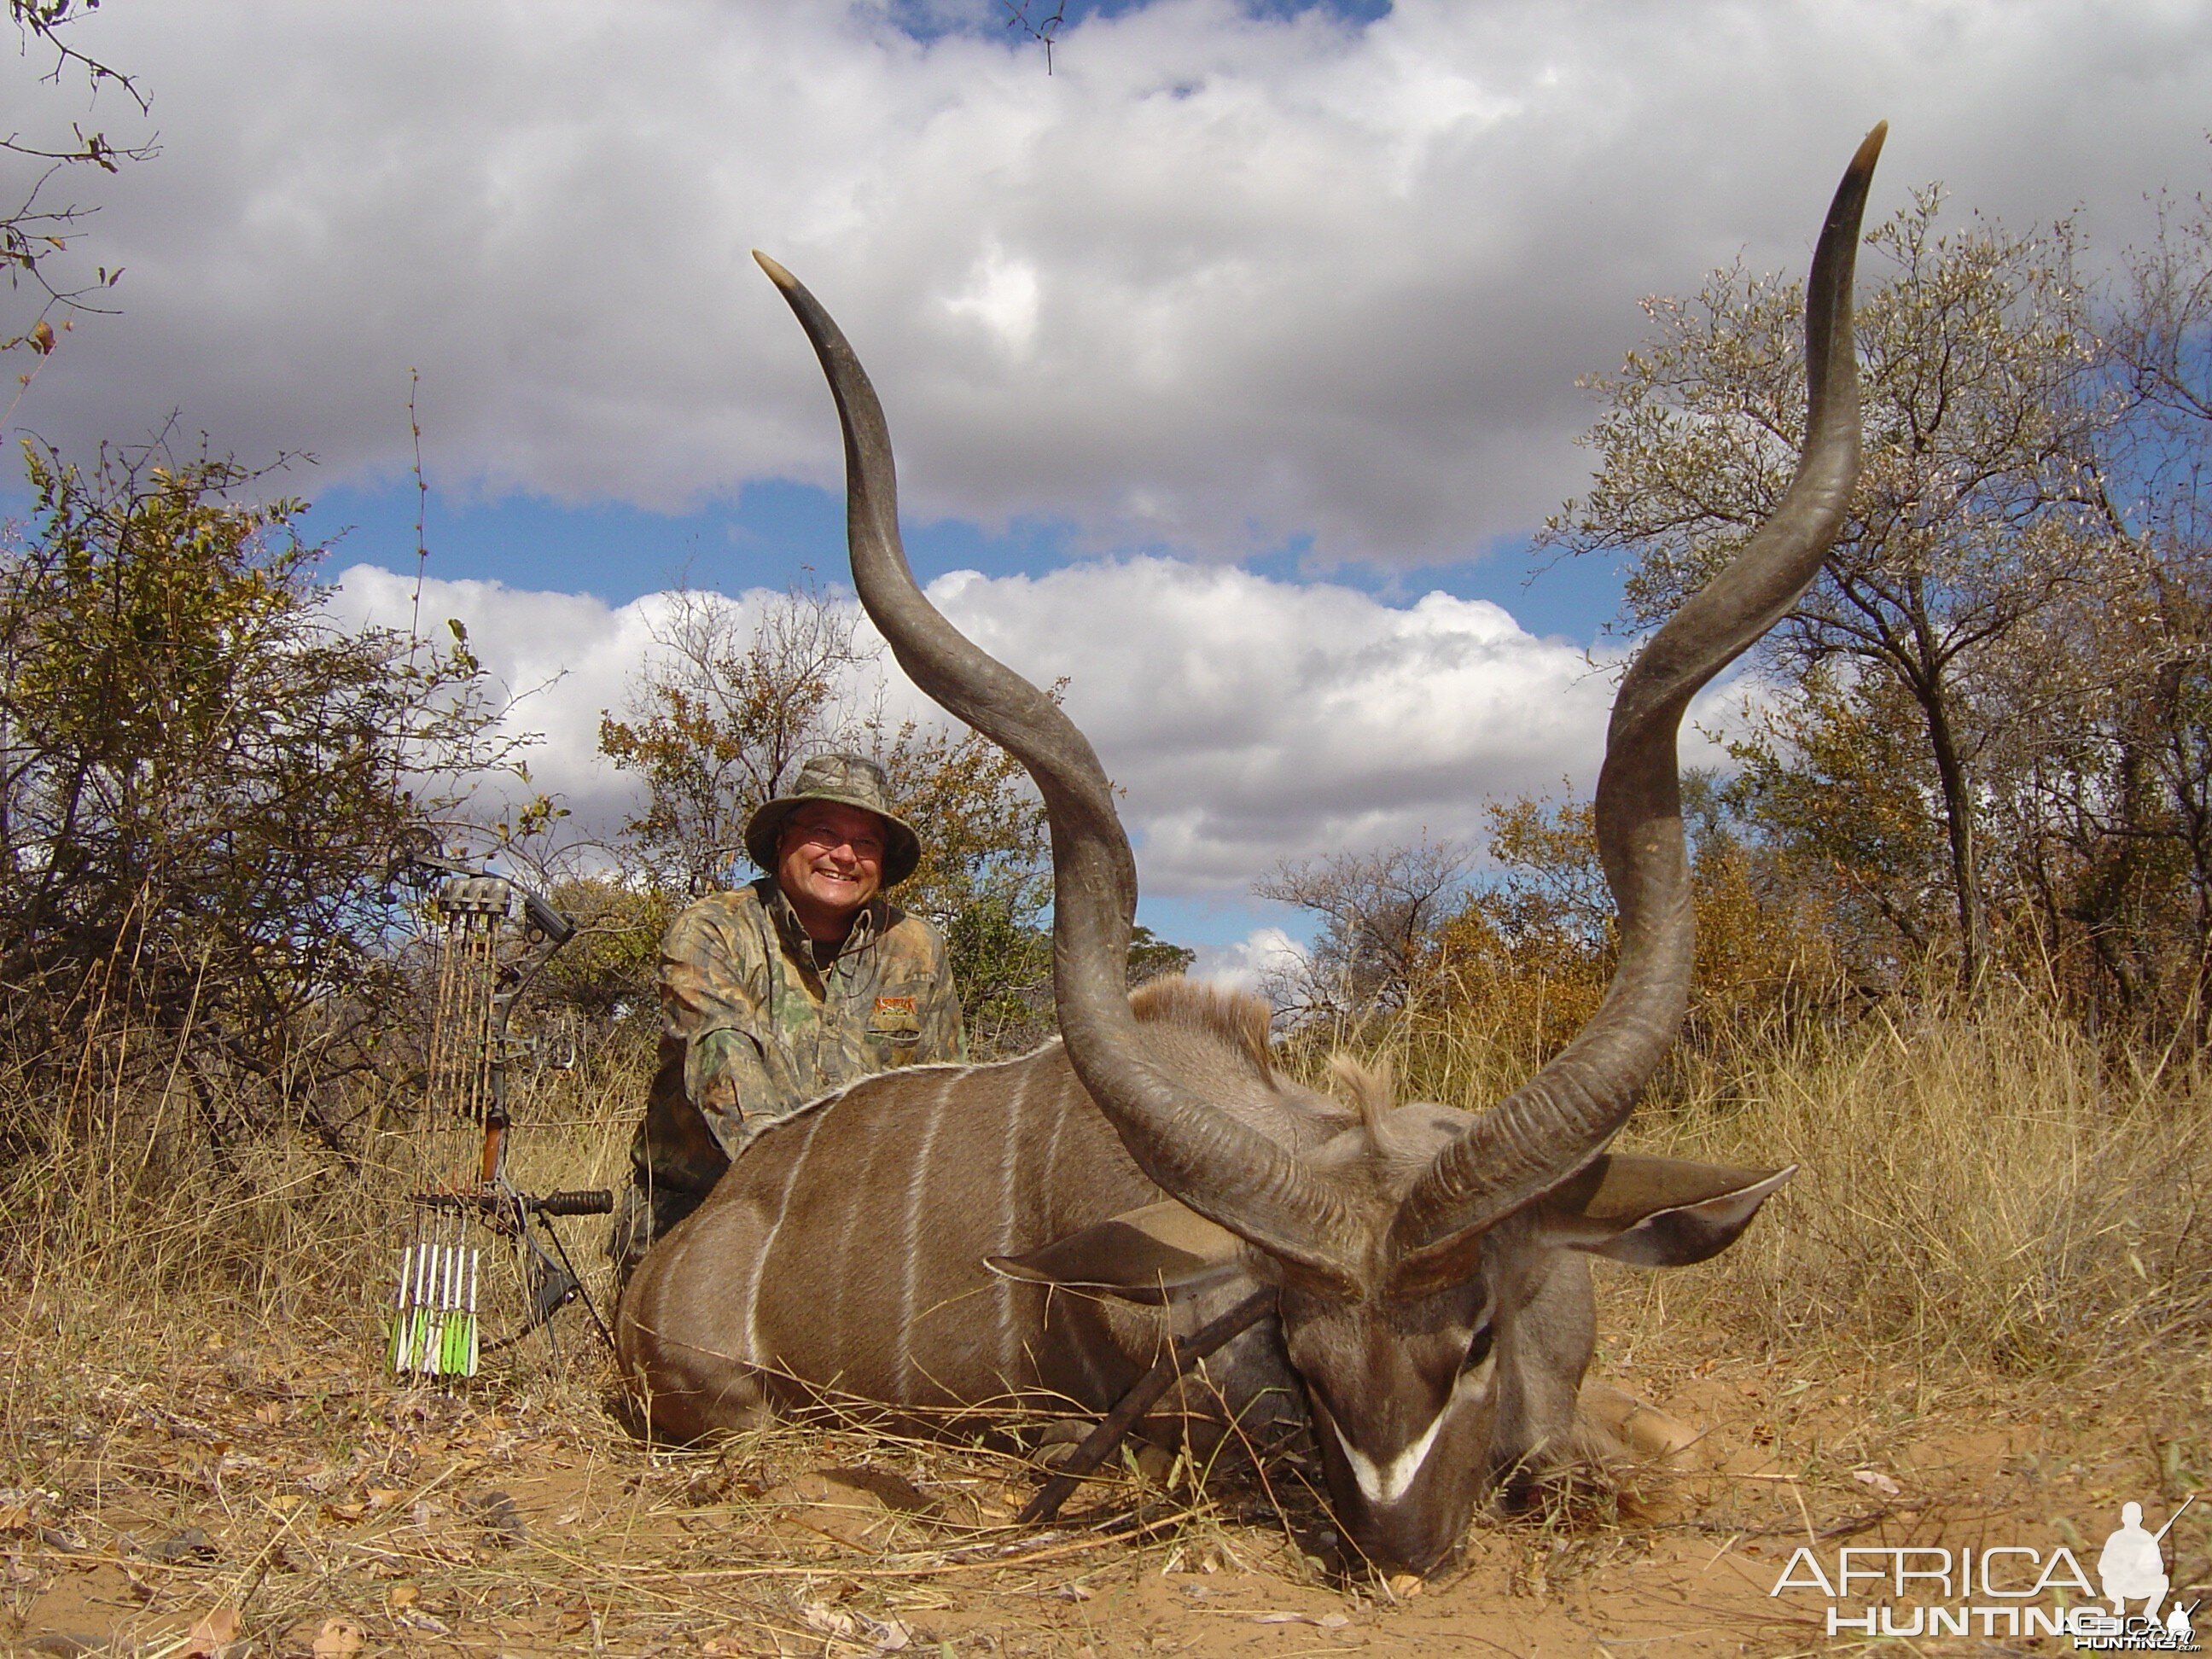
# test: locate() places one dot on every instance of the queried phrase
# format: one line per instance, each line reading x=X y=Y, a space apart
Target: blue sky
x=620 y=552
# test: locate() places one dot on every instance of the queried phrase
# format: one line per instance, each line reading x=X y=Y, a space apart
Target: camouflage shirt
x=752 y=1024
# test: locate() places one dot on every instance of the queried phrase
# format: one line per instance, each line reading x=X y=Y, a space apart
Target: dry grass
x=1979 y=1187
x=1990 y=1217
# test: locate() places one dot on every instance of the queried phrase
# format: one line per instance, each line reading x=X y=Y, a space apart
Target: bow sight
x=453 y=1305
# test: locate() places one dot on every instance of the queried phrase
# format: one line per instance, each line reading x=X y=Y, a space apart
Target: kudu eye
x=1478 y=1346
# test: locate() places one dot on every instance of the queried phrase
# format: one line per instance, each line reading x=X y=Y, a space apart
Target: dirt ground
x=250 y=1493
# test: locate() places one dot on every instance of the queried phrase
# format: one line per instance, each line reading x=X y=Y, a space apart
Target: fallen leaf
x=216 y=1629
x=878 y=1635
x=1405 y=1586
x=402 y=1595
x=338 y=1638
x=827 y=1619
x=1879 y=1481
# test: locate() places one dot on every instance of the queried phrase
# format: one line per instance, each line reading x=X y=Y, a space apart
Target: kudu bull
x=1030 y=1230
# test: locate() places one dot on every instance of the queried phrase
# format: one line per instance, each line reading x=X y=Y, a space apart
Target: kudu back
x=958 y=1237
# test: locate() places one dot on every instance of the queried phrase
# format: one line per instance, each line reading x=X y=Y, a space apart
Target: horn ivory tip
x=1863 y=162
x=776 y=274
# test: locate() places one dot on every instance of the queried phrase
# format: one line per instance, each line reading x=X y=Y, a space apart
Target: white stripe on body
x=1067 y=1102
x=916 y=1186
x=1009 y=1351
x=753 y=1354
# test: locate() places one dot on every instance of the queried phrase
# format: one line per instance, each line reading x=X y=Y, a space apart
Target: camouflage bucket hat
x=849 y=780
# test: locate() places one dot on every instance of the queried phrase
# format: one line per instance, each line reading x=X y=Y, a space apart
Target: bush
x=201 y=781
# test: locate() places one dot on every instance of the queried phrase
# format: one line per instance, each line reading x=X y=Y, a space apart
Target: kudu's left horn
x=1562 y=1118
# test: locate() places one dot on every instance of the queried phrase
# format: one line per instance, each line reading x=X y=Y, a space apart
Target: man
x=775 y=993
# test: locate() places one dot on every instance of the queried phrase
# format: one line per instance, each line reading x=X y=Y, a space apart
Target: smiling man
x=777 y=993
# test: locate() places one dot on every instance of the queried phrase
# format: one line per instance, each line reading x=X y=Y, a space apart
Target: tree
x=1838 y=778
x=1980 y=507
x=200 y=782
x=1525 y=948
x=2112 y=796
x=721 y=717
x=36 y=230
x=1379 y=912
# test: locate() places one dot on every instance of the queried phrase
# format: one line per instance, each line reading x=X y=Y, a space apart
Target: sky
x=1231 y=364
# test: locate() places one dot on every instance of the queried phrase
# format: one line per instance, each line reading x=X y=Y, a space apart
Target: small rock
x=190 y=1545
x=500 y=1520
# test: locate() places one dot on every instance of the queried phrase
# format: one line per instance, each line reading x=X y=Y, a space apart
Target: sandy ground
x=254 y=1494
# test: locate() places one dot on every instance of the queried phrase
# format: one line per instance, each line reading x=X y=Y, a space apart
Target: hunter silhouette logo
x=2132 y=1567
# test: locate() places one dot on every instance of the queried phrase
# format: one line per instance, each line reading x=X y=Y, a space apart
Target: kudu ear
x=1654 y=1212
x=1152 y=1256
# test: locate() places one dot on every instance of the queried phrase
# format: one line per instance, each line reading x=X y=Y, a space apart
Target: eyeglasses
x=821 y=835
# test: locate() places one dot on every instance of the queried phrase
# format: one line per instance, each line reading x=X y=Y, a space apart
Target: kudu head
x=1422 y=1257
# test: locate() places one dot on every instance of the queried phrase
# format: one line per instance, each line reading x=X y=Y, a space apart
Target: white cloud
x=561 y=658
x=1249 y=719
x=1218 y=280
x=1250 y=962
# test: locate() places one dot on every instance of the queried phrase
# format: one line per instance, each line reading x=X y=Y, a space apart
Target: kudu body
x=1030 y=1232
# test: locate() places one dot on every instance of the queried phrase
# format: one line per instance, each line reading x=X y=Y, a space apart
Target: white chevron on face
x=1385 y=1484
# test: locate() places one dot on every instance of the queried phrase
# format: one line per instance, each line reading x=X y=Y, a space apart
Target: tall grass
x=1979 y=1185
x=129 y=1228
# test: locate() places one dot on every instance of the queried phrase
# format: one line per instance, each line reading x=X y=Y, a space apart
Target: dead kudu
x=1031 y=1231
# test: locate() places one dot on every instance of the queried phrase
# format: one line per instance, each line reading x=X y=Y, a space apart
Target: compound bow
x=493 y=938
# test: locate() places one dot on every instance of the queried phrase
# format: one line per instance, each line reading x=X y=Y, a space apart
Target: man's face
x=829 y=862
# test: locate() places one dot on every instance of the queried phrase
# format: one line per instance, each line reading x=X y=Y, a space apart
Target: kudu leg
x=1098 y=1445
